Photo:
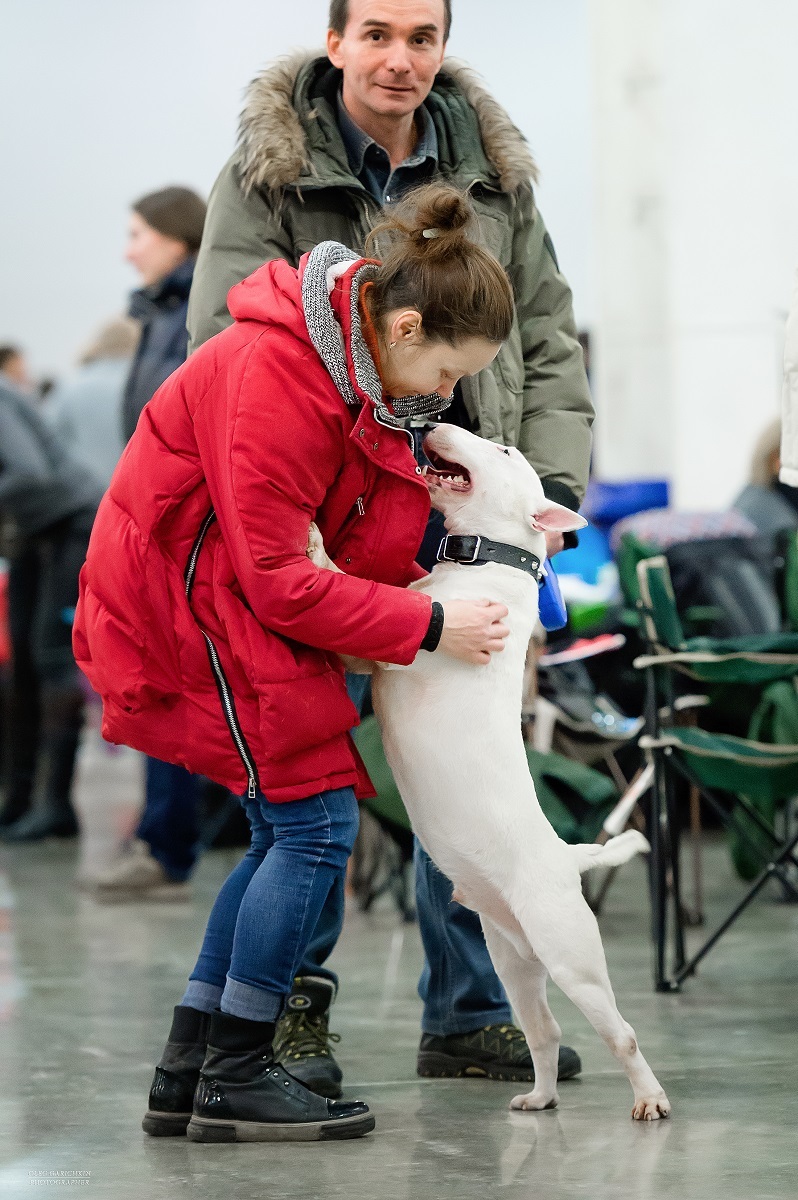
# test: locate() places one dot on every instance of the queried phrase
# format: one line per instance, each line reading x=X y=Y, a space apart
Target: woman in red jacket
x=214 y=640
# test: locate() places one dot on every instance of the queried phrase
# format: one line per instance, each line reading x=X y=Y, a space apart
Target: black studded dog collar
x=473 y=551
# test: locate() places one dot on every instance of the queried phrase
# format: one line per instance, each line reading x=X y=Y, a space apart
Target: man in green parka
x=325 y=142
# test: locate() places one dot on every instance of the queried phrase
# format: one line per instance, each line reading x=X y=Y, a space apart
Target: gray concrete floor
x=86 y=995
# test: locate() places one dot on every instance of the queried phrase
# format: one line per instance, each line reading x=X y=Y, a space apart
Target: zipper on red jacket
x=222 y=685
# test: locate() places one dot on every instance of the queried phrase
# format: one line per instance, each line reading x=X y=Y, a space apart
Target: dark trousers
x=170 y=821
x=45 y=697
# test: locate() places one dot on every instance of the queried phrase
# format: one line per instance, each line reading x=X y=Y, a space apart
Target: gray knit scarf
x=327 y=336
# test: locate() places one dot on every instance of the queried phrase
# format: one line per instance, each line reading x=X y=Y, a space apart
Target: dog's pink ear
x=555 y=518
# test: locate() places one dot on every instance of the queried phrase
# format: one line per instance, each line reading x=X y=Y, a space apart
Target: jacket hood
x=271 y=295
x=280 y=141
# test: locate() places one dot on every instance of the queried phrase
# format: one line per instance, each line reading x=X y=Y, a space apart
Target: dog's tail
x=614 y=852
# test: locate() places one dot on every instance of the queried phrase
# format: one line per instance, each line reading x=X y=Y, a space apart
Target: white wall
x=665 y=130
x=696 y=233
x=103 y=101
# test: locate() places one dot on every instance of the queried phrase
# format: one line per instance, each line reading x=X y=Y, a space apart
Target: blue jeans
x=260 y=926
x=459 y=986
x=170 y=821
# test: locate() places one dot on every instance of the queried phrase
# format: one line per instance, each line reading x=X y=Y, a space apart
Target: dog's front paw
x=315 y=550
x=535 y=1101
x=651 y=1108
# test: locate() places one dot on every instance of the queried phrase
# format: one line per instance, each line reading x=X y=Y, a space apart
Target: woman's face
x=414 y=364
x=153 y=254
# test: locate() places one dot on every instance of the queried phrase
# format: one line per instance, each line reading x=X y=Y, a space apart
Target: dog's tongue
x=445 y=471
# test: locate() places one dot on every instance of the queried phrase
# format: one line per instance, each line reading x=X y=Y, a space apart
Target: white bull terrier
x=452 y=737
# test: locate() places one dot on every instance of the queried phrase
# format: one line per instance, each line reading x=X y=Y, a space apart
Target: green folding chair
x=631 y=550
x=739 y=778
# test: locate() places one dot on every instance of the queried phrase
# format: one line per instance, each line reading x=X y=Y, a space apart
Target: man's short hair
x=339 y=15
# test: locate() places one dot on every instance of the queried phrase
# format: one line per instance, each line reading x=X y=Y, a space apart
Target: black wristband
x=434 y=629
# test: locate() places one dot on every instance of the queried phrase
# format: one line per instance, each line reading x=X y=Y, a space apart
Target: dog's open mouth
x=446 y=474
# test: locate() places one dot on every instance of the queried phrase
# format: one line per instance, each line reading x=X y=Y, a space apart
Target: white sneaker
x=137 y=875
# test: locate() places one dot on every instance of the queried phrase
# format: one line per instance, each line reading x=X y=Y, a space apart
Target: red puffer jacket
x=207 y=631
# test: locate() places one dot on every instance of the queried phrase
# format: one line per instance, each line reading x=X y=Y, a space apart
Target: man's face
x=390 y=53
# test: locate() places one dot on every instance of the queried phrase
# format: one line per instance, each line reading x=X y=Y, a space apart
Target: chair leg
x=658 y=873
x=790 y=827
x=784 y=860
x=696 y=915
x=771 y=870
x=675 y=889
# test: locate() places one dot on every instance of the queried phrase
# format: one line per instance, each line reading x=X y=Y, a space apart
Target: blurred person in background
x=14 y=368
x=163 y=239
x=49 y=499
x=768 y=502
x=86 y=408
x=325 y=141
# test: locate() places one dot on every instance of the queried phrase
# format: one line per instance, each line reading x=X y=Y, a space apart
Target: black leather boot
x=62 y=719
x=18 y=799
x=49 y=820
x=243 y=1095
x=177 y=1074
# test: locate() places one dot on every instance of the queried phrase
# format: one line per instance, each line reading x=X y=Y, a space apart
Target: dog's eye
x=506 y=451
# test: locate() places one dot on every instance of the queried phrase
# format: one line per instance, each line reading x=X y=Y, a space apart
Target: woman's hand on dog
x=473 y=629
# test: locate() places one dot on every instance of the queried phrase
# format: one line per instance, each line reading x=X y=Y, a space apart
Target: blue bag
x=553 y=613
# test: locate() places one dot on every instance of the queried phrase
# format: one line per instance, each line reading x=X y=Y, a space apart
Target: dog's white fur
x=452 y=737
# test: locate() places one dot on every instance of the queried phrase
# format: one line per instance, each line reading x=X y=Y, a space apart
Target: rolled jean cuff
x=467 y=1024
x=251 y=1003
x=201 y=995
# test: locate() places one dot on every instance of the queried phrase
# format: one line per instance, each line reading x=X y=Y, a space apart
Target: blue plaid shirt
x=372 y=165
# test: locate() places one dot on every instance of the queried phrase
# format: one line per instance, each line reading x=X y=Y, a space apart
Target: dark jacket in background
x=770 y=508
x=161 y=310
x=41 y=483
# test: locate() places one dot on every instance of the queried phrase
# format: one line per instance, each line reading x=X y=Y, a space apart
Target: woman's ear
x=555 y=518
x=405 y=328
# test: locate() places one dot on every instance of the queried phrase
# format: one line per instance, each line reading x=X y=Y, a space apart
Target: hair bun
x=440 y=217
x=442 y=208
x=435 y=219
x=433 y=260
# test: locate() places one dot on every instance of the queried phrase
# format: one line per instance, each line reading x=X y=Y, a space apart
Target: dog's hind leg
x=524 y=979
x=569 y=943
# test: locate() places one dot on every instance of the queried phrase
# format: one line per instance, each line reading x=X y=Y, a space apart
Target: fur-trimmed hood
x=274 y=146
